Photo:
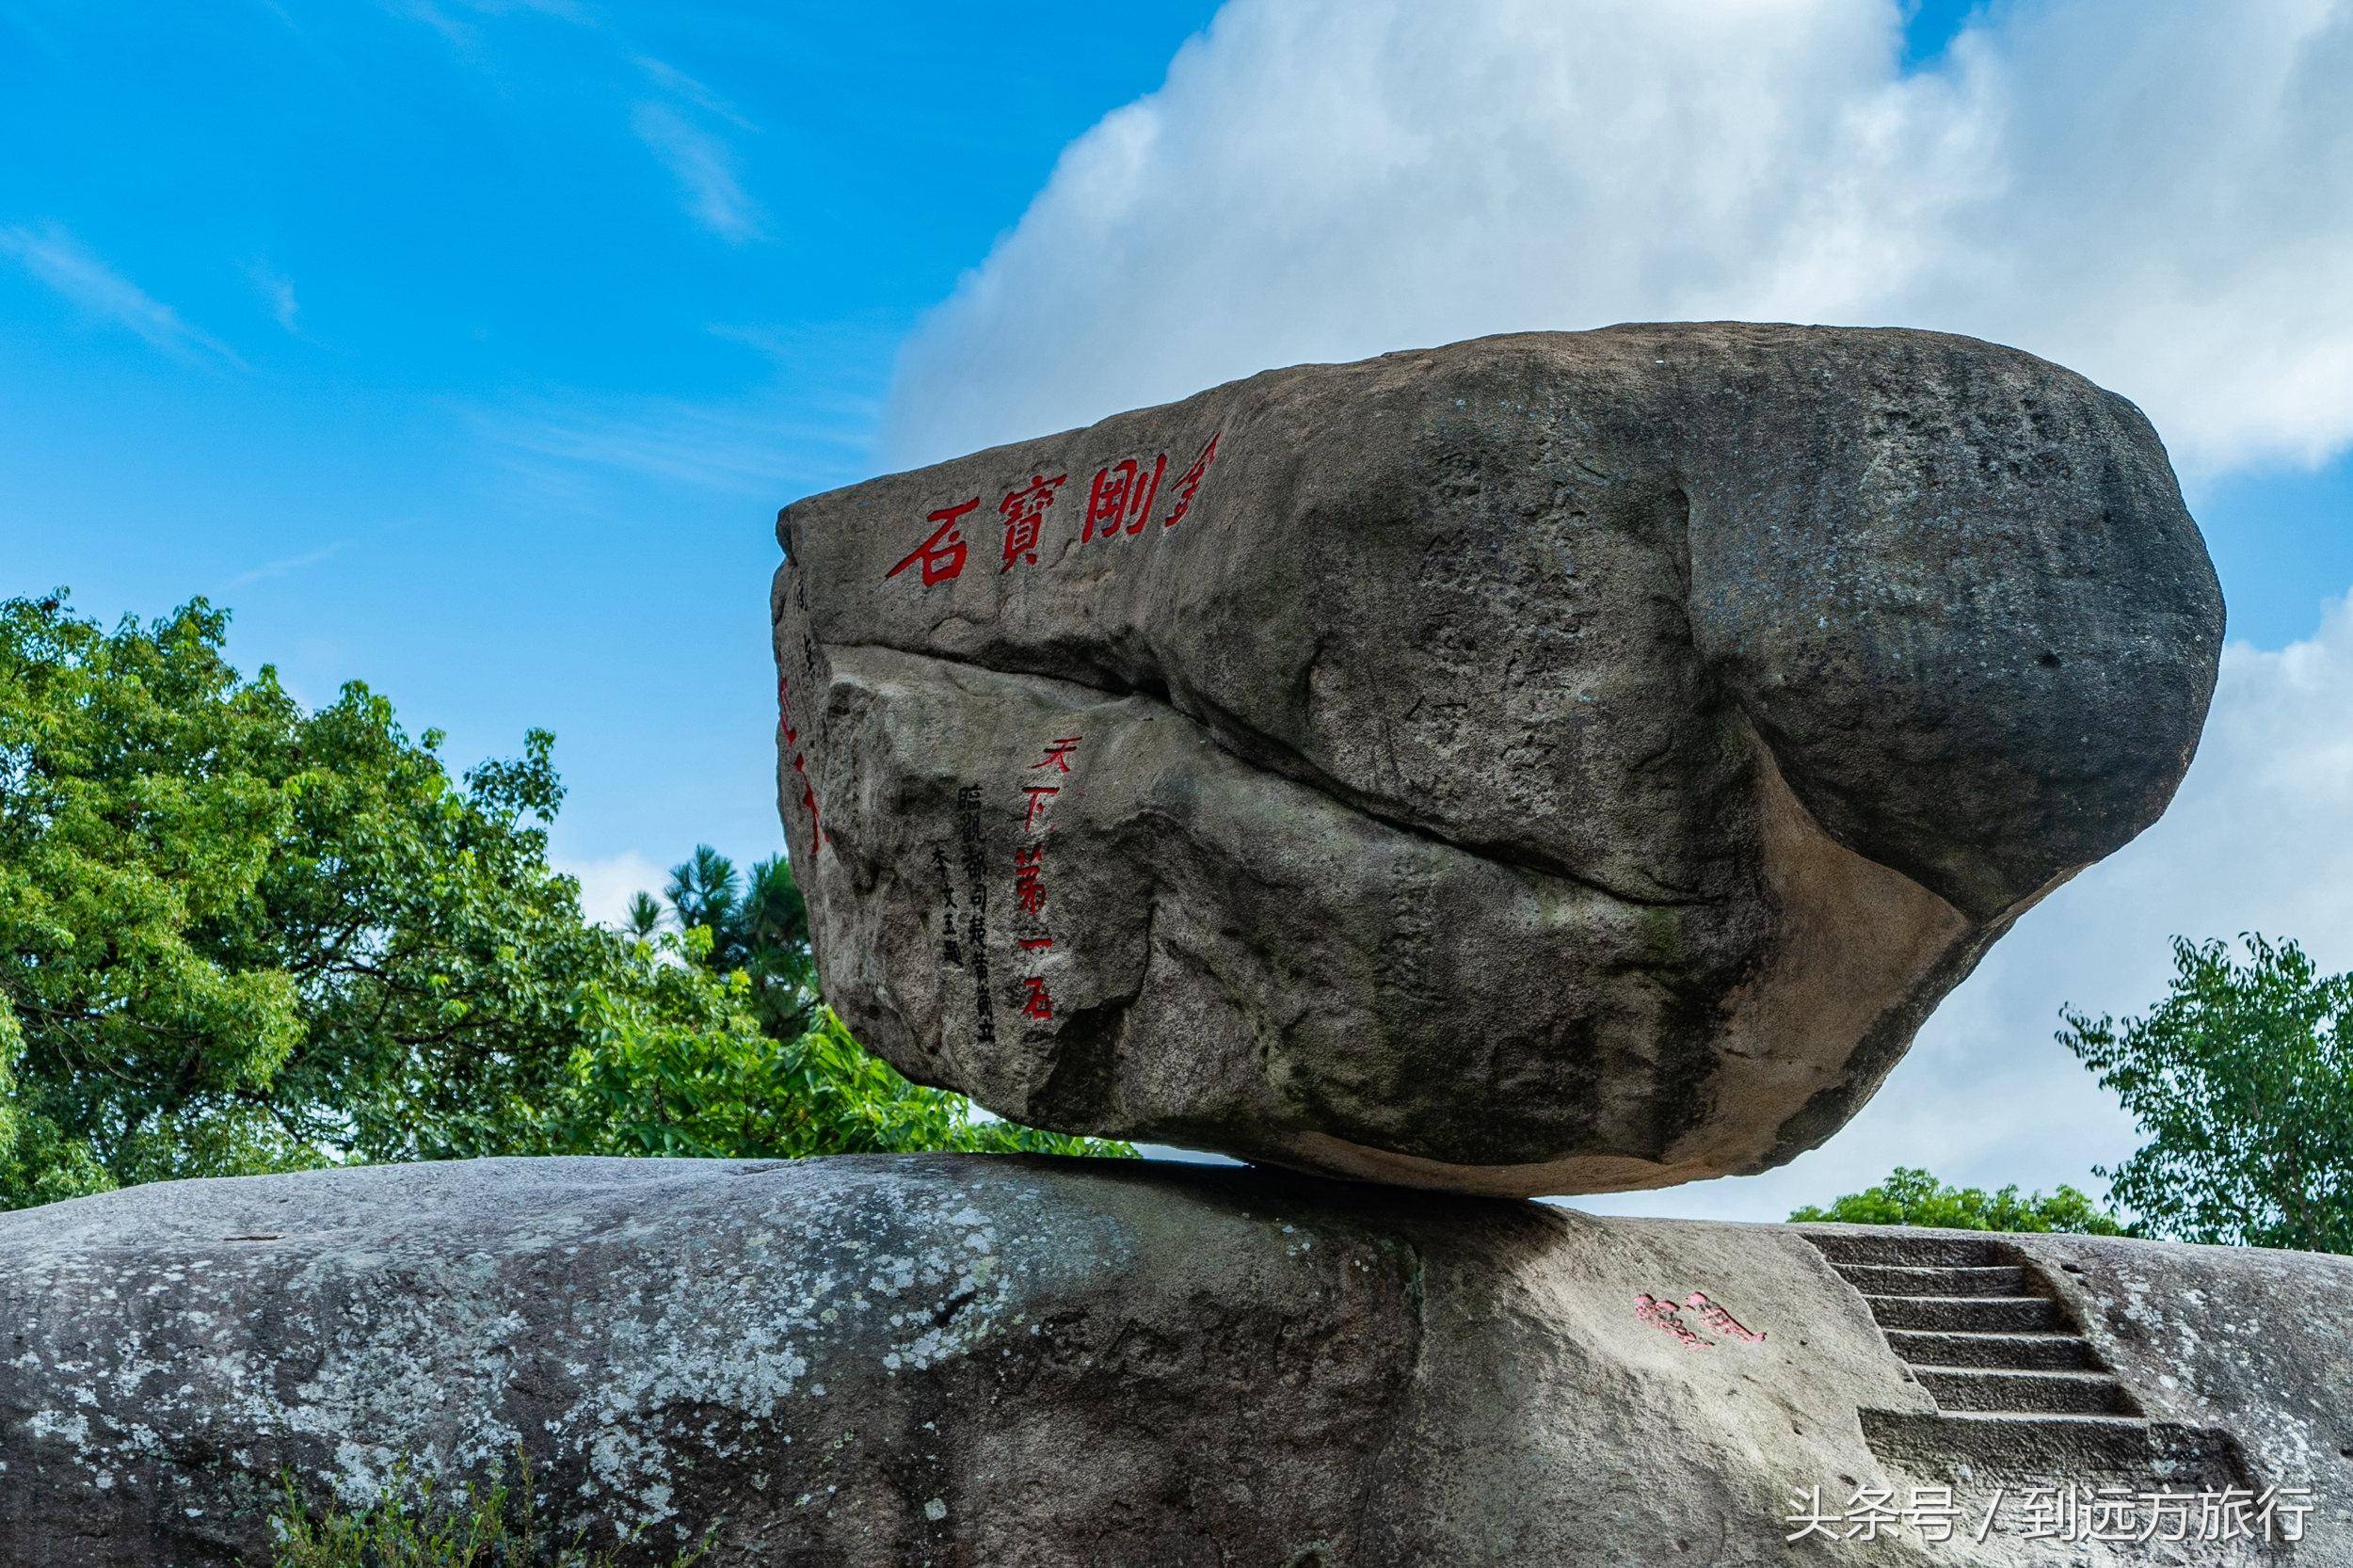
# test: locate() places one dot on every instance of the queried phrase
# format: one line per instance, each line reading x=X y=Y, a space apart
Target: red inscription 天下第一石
x=1024 y=511
x=1037 y=1001
x=1029 y=876
x=1121 y=498
x=1029 y=886
x=942 y=554
x=1189 y=481
x=1058 y=755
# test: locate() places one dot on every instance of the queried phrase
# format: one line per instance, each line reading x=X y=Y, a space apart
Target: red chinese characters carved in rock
x=1121 y=498
x=1058 y=754
x=800 y=765
x=1041 y=796
x=1666 y=1315
x=1650 y=1309
x=1036 y=1002
x=942 y=554
x=1024 y=511
x=1189 y=481
x=1028 y=887
x=1720 y=1319
x=1029 y=873
x=1119 y=504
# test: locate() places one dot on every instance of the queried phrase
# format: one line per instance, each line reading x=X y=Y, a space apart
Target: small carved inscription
x=976 y=923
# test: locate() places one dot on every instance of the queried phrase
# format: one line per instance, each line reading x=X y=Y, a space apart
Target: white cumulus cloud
x=2160 y=197
x=607 y=884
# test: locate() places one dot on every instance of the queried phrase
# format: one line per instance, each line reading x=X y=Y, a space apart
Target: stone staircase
x=2018 y=1390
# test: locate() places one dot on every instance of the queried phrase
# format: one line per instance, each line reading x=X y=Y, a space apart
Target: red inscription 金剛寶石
x=943 y=553
x=1119 y=503
x=1120 y=500
x=1024 y=511
x=1189 y=482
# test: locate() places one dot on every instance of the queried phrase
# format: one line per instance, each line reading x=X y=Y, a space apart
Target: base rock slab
x=962 y=1360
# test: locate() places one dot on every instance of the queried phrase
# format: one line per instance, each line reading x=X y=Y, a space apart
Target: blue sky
x=471 y=351
x=470 y=347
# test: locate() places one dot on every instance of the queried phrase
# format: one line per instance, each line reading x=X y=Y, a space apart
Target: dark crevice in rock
x=1233 y=739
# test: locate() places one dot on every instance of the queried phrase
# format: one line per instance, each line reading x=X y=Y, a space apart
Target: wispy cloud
x=65 y=264
x=289 y=566
x=679 y=85
x=448 y=21
x=801 y=352
x=704 y=166
x=757 y=446
x=674 y=123
x=278 y=291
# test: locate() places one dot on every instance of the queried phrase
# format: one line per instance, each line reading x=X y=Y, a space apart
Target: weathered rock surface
x=1556 y=762
x=1006 y=1363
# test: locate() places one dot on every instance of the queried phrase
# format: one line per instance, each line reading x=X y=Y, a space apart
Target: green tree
x=236 y=936
x=644 y=917
x=681 y=1067
x=706 y=892
x=758 y=926
x=1913 y=1197
x=2241 y=1080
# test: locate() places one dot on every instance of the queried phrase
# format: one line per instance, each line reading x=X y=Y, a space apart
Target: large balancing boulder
x=1560 y=762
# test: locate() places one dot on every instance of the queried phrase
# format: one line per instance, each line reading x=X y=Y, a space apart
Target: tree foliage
x=1911 y=1196
x=2241 y=1080
x=236 y=936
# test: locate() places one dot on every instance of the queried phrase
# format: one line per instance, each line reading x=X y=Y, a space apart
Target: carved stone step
x=1982 y=1388
x=2068 y=1446
x=1931 y=1249
x=1907 y=1279
x=1968 y=1314
x=2055 y=1353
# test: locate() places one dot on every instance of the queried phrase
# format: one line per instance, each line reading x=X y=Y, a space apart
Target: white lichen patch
x=637 y=1341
